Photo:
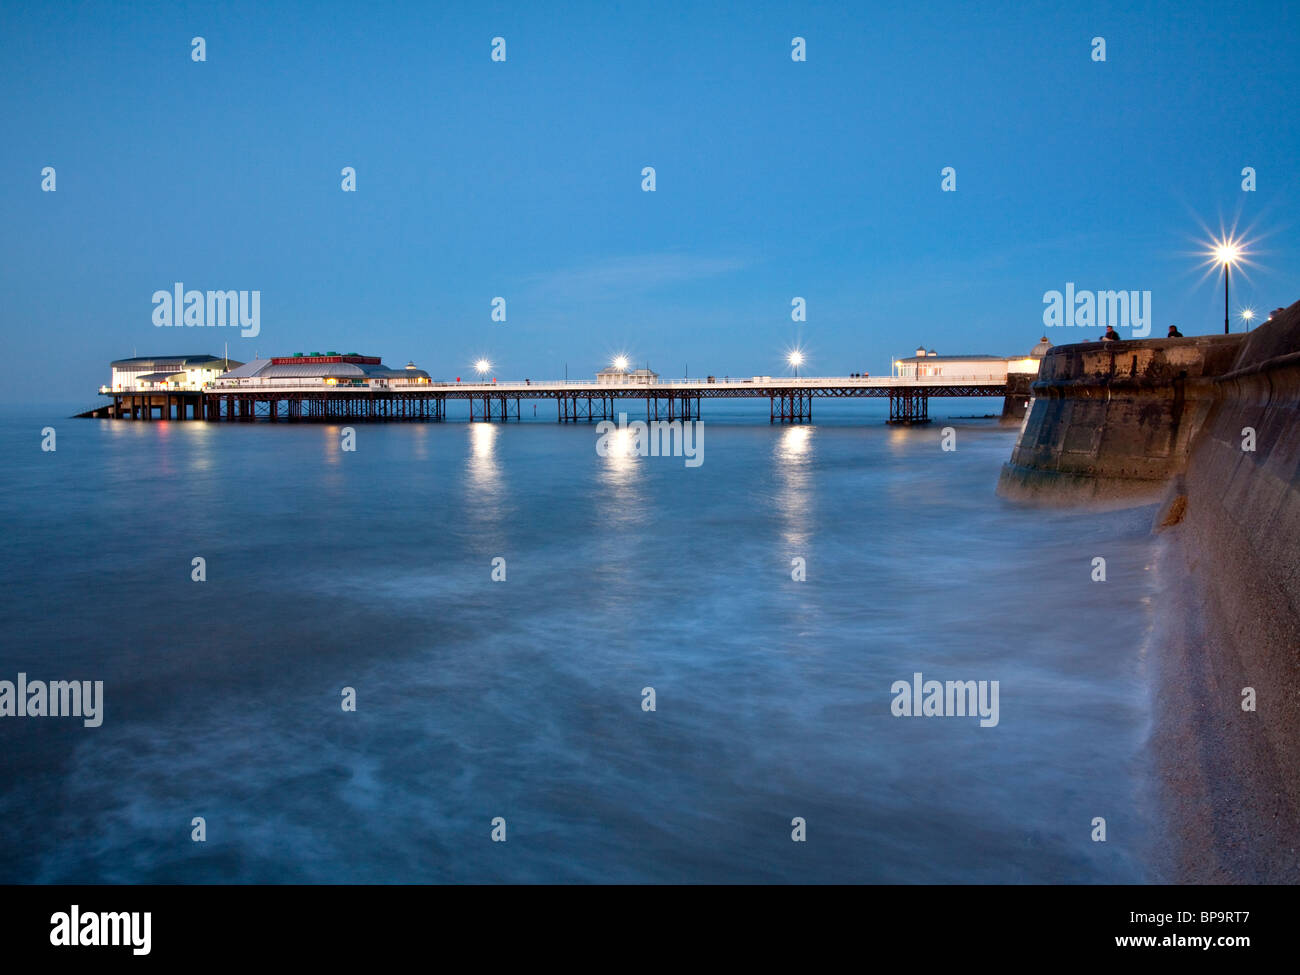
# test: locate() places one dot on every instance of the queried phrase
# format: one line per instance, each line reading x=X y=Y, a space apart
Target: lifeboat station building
x=140 y=373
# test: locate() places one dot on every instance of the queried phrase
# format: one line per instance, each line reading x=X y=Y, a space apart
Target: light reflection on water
x=793 y=462
x=484 y=472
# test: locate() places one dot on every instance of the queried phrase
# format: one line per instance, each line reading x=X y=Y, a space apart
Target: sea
x=487 y=653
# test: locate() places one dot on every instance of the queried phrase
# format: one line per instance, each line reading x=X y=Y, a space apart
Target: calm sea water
x=522 y=699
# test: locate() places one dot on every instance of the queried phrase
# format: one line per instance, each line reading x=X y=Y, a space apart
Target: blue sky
x=522 y=179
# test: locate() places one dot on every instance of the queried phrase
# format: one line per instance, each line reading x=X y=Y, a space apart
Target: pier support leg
x=909 y=406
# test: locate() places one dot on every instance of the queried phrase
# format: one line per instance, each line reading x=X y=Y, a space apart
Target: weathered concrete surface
x=1232 y=565
x=1015 y=403
x=1110 y=423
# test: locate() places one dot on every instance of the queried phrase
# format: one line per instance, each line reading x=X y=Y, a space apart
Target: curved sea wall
x=1235 y=556
x=1241 y=489
x=1112 y=422
x=1220 y=443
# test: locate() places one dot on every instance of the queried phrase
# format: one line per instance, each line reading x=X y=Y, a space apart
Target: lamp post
x=1227 y=276
x=483 y=367
x=795 y=359
x=1246 y=315
x=1226 y=252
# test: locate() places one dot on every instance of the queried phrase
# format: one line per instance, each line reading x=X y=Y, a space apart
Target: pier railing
x=595 y=387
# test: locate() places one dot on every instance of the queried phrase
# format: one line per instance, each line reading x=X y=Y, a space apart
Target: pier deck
x=790 y=400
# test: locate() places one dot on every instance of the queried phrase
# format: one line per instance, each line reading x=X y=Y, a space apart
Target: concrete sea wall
x=1015 y=405
x=1236 y=542
x=1111 y=422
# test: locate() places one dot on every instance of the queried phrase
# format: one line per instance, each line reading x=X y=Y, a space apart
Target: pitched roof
x=247 y=369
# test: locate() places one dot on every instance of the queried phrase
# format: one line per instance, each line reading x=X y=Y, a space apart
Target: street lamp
x=1226 y=252
x=795 y=359
x=621 y=363
x=483 y=367
x=1246 y=315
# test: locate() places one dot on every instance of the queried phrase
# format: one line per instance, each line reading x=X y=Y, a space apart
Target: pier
x=576 y=401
